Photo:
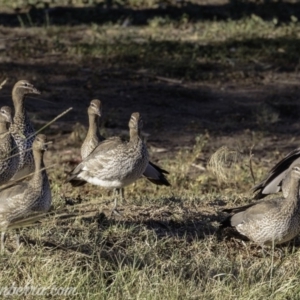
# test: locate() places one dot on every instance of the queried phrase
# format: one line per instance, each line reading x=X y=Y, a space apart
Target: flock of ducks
x=113 y=163
x=109 y=163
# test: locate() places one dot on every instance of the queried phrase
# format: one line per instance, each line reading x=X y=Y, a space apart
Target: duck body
x=272 y=220
x=93 y=139
x=9 y=154
x=27 y=197
x=113 y=164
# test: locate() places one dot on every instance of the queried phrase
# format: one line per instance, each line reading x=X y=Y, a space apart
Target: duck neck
x=3 y=127
x=93 y=131
x=134 y=135
x=39 y=164
x=18 y=100
x=294 y=191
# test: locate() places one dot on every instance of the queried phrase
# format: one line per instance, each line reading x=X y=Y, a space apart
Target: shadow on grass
x=150 y=78
x=194 y=227
x=183 y=60
x=163 y=236
x=114 y=12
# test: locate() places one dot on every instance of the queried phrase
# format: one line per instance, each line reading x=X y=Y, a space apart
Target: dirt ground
x=174 y=112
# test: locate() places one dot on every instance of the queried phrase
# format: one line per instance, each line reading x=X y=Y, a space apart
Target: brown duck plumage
x=27 y=197
x=22 y=130
x=153 y=173
x=270 y=220
x=9 y=158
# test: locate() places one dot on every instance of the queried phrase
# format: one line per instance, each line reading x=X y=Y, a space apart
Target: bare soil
x=174 y=112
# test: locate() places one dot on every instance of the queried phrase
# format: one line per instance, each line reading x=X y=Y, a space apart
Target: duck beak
x=35 y=91
x=45 y=146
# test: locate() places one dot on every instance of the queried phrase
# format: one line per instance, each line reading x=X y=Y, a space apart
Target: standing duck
x=114 y=163
x=21 y=129
x=152 y=172
x=93 y=137
x=28 y=197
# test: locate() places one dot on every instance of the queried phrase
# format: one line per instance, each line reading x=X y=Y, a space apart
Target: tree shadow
x=155 y=85
x=194 y=227
x=114 y=12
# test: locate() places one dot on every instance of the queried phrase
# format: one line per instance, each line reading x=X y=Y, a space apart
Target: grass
x=211 y=50
x=163 y=247
x=166 y=244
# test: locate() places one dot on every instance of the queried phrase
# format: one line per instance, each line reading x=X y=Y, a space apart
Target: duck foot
x=114 y=209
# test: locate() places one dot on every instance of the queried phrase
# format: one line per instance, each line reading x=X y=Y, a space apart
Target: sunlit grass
x=205 y=50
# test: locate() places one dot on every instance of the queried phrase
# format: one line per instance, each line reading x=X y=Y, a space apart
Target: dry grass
x=2 y=83
x=224 y=163
x=166 y=245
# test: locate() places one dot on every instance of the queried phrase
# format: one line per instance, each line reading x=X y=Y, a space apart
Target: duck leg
x=2 y=241
x=121 y=194
x=118 y=193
